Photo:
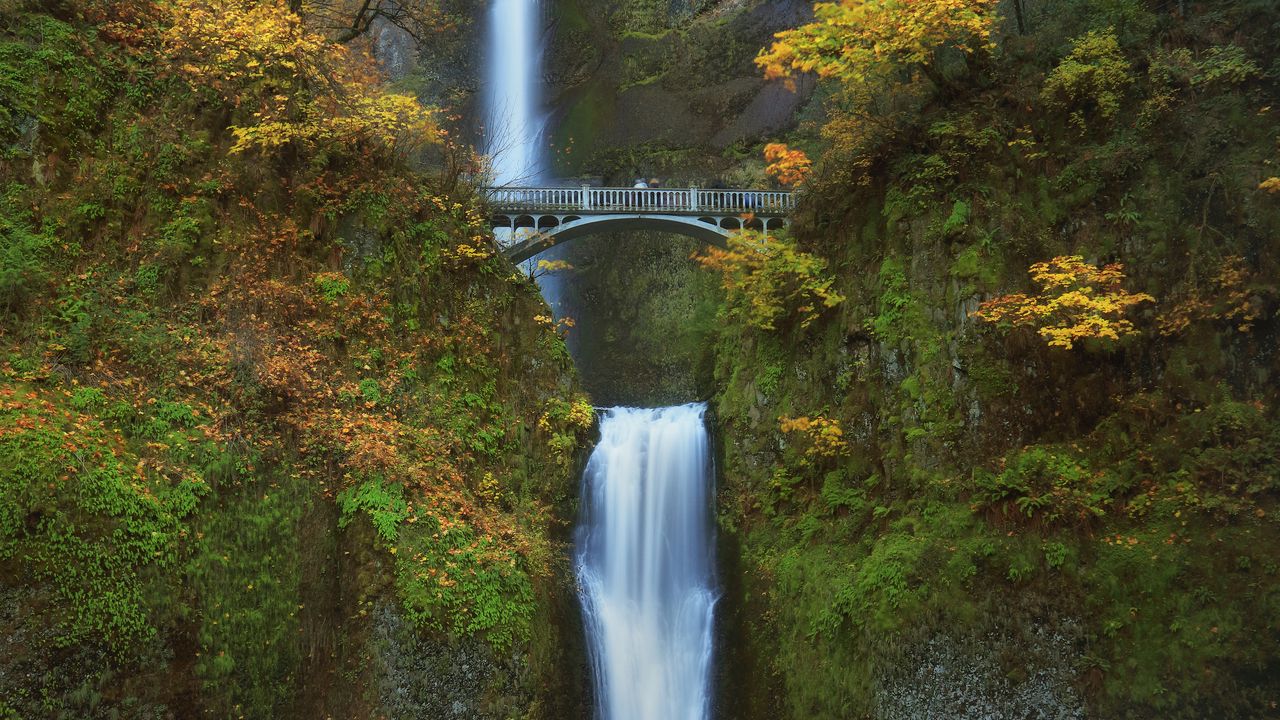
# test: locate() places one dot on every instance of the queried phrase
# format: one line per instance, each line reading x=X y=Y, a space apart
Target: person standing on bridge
x=640 y=183
x=657 y=199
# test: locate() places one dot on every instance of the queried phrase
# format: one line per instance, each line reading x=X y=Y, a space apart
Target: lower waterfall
x=645 y=564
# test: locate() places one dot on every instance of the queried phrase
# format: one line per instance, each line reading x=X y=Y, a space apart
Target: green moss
x=1132 y=492
x=246 y=575
x=97 y=531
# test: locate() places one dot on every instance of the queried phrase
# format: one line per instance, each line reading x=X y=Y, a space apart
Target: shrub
x=263 y=57
x=820 y=437
x=1091 y=81
x=1077 y=301
x=768 y=280
x=1044 y=485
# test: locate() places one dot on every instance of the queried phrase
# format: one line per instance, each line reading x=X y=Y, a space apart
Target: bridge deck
x=628 y=201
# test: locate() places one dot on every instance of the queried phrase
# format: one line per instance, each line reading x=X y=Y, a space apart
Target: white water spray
x=513 y=115
x=645 y=554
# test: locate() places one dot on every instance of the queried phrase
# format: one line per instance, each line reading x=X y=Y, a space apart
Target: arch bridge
x=557 y=214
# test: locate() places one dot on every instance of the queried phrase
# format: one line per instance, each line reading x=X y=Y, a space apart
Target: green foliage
x=958 y=219
x=370 y=391
x=47 y=82
x=1090 y=83
x=332 y=285
x=899 y=314
x=1129 y=19
x=88 y=398
x=177 y=239
x=770 y=280
x=383 y=502
x=245 y=578
x=880 y=588
x=452 y=578
x=448 y=576
x=976 y=266
x=175 y=513
x=1225 y=64
x=767 y=380
x=1137 y=491
x=75 y=511
x=24 y=252
x=1046 y=486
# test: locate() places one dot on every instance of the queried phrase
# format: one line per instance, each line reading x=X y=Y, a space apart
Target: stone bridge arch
x=553 y=230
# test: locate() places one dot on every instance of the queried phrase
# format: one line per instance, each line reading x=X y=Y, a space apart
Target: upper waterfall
x=512 y=92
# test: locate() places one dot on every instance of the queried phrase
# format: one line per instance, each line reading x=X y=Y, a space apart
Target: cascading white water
x=514 y=118
x=645 y=564
x=645 y=545
x=511 y=96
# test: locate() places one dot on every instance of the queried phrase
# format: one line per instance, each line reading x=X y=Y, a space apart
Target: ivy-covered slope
x=939 y=517
x=280 y=435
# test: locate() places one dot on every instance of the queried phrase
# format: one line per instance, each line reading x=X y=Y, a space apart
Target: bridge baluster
x=719 y=204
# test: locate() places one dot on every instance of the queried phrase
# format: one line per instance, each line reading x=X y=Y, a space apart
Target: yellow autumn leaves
x=292 y=84
x=852 y=39
x=771 y=281
x=821 y=436
x=864 y=45
x=1077 y=301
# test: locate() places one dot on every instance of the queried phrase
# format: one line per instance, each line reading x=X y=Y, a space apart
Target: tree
x=295 y=84
x=1077 y=301
x=770 y=280
x=855 y=40
x=877 y=51
x=346 y=20
x=790 y=166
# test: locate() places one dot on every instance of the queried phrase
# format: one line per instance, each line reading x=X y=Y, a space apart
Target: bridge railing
x=692 y=201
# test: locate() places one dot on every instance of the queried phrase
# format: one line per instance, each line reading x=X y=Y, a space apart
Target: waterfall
x=645 y=545
x=514 y=118
x=513 y=114
x=645 y=553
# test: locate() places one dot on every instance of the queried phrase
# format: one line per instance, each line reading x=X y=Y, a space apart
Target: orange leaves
x=289 y=373
x=1077 y=301
x=852 y=39
x=1270 y=185
x=1228 y=298
x=789 y=166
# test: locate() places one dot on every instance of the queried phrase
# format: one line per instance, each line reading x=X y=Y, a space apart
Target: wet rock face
x=643 y=314
x=40 y=679
x=417 y=677
x=966 y=679
x=631 y=78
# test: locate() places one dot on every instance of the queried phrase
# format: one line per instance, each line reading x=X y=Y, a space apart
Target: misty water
x=644 y=550
x=644 y=561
